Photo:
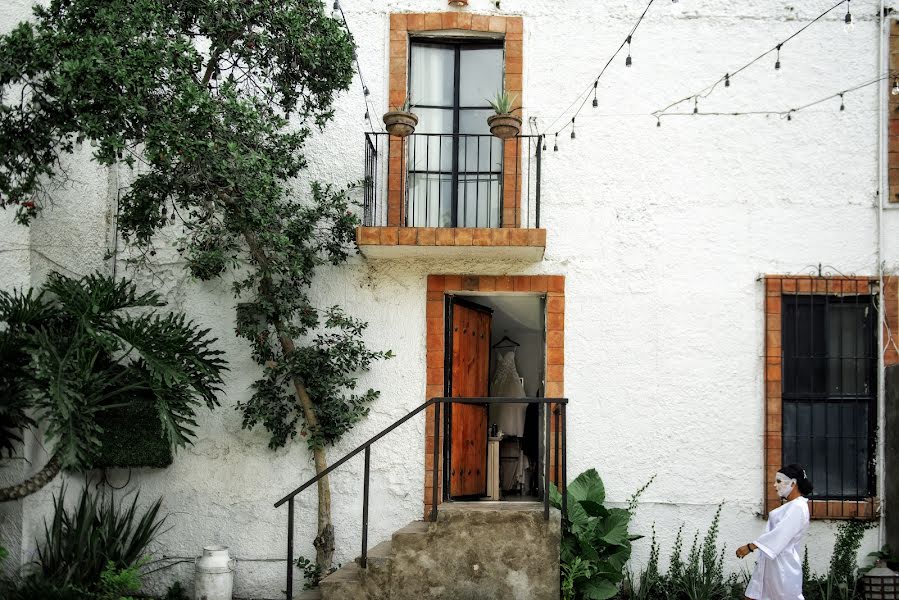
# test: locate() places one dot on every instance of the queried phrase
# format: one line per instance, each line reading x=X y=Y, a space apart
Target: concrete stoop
x=475 y=551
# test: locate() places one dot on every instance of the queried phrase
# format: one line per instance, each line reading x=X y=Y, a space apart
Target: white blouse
x=778 y=572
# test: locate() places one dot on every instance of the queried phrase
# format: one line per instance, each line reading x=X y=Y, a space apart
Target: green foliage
x=313 y=573
x=698 y=577
x=97 y=536
x=78 y=348
x=132 y=436
x=842 y=581
x=215 y=99
x=885 y=554
x=502 y=103
x=595 y=542
x=113 y=584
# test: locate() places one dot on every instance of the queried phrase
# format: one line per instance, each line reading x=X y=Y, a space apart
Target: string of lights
x=594 y=84
x=786 y=113
x=727 y=77
x=337 y=13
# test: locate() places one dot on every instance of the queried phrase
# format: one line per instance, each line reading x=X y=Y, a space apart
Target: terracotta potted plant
x=504 y=124
x=401 y=121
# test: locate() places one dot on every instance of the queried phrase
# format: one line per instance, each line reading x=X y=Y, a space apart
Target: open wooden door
x=469 y=325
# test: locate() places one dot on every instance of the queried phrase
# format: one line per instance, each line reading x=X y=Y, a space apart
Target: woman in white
x=778 y=572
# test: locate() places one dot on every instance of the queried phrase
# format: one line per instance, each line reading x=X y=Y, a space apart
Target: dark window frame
x=457 y=44
x=818 y=392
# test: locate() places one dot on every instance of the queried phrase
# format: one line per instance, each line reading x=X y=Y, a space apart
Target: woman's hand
x=742 y=551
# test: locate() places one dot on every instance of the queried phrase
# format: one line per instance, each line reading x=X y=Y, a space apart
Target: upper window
x=830 y=391
x=454 y=164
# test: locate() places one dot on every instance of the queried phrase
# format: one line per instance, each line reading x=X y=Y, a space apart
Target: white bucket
x=214 y=574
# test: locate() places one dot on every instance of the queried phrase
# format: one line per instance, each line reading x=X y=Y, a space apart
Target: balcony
x=452 y=195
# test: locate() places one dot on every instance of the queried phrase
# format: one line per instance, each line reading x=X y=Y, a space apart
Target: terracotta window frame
x=776 y=287
x=510 y=30
x=553 y=286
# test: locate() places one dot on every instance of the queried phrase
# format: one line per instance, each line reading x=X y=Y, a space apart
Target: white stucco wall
x=660 y=232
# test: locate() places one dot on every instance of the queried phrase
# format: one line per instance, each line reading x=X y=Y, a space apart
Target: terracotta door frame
x=510 y=31
x=438 y=286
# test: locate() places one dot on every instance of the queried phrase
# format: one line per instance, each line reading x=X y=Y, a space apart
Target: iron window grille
x=829 y=393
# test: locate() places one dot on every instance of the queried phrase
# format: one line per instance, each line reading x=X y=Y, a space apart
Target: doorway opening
x=495 y=346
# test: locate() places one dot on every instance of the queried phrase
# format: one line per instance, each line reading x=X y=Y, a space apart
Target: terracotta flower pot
x=400 y=123
x=504 y=126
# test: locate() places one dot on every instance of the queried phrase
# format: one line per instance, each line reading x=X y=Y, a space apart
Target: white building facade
x=643 y=294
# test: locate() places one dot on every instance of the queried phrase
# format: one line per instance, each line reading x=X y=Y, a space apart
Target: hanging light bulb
x=842 y=104
x=367 y=115
x=365 y=91
x=572 y=128
x=556 y=144
x=628 y=61
x=595 y=101
x=777 y=62
x=335 y=10
x=544 y=143
x=695 y=105
x=848 y=25
x=659 y=120
x=790 y=115
x=895 y=90
x=727 y=80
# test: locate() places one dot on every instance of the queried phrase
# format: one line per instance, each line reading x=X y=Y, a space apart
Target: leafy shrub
x=842 y=581
x=595 y=541
x=699 y=577
x=81 y=547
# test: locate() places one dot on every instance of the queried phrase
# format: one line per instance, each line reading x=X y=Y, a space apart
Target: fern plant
x=78 y=347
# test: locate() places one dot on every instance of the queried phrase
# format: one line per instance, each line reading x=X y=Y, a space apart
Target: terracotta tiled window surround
x=440 y=285
x=776 y=288
x=512 y=233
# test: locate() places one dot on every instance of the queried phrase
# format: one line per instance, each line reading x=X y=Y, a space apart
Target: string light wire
x=585 y=95
x=365 y=91
x=788 y=113
x=707 y=91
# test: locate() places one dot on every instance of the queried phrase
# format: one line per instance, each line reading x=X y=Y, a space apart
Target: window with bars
x=454 y=164
x=830 y=391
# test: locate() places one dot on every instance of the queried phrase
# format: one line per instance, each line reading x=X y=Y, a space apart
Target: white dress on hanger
x=507 y=383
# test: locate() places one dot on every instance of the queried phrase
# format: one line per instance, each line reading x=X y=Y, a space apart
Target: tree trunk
x=324 y=540
x=32 y=484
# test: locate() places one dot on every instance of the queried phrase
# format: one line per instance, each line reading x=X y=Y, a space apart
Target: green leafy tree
x=214 y=101
x=77 y=348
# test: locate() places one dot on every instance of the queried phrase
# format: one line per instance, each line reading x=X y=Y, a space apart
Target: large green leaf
x=599 y=589
x=587 y=486
x=613 y=529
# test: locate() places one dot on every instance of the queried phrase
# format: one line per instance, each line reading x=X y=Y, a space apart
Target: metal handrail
x=561 y=452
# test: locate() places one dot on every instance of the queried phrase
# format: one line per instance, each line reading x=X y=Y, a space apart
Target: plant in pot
x=504 y=124
x=401 y=121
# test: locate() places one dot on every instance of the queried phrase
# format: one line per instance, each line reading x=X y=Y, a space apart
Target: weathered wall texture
x=661 y=234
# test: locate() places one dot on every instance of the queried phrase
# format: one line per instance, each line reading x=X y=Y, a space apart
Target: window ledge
x=409 y=242
x=867 y=509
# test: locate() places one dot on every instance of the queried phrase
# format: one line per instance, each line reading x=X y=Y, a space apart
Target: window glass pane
x=830 y=439
x=430 y=200
x=848 y=343
x=480 y=75
x=804 y=346
x=480 y=200
x=431 y=75
x=431 y=152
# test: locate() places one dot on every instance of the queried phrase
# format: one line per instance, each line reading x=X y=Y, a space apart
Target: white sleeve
x=773 y=542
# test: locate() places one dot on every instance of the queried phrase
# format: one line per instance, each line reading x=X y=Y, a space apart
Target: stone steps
x=475 y=551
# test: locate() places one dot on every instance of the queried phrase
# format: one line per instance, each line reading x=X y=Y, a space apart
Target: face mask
x=783 y=485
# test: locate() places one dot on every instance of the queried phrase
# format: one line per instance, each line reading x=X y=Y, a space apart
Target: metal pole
x=564 y=482
x=434 y=465
x=364 y=561
x=546 y=411
x=290 y=549
x=537 y=184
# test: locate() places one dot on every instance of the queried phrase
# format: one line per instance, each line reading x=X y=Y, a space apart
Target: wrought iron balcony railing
x=452 y=180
